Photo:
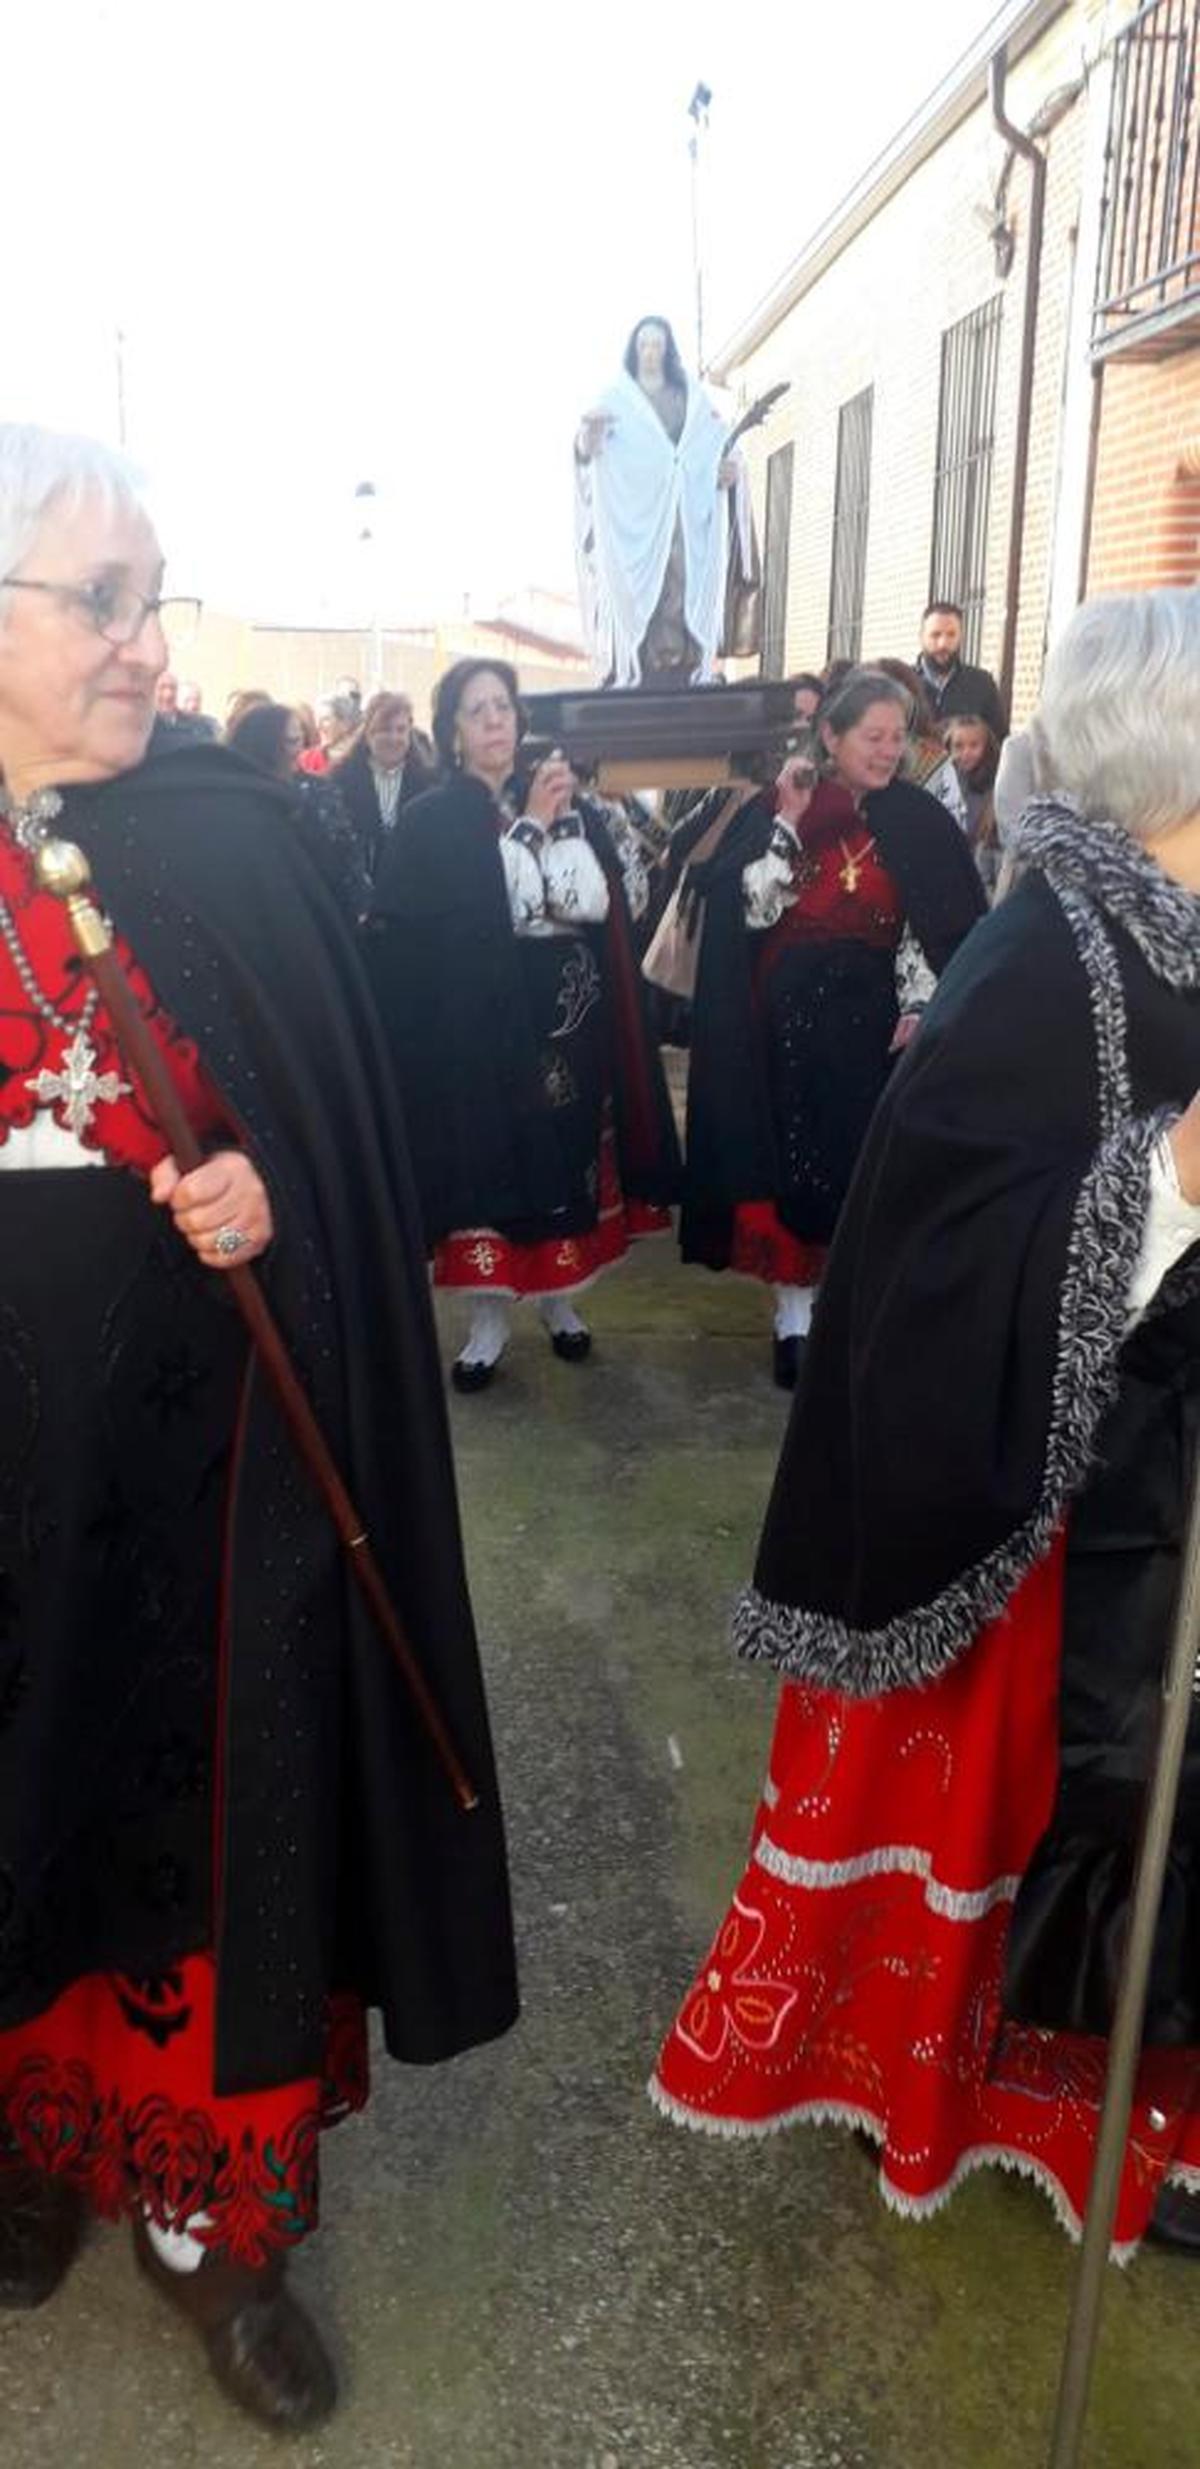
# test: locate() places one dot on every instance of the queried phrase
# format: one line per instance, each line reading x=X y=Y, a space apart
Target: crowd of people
x=533 y=1085
x=413 y=995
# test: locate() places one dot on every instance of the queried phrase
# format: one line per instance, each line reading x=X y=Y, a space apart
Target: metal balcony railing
x=1148 y=280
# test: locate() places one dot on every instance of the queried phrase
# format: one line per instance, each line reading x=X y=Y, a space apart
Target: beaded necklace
x=77 y=1087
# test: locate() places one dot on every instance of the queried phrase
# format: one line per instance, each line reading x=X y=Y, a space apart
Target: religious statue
x=668 y=568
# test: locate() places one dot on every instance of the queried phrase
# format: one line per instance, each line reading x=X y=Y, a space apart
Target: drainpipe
x=1089 y=495
x=1022 y=145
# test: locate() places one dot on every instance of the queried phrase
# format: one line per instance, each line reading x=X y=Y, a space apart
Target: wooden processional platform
x=638 y=739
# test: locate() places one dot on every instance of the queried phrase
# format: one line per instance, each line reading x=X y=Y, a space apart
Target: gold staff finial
x=63 y=869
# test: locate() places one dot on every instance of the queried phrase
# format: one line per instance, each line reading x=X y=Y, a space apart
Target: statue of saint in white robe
x=663 y=530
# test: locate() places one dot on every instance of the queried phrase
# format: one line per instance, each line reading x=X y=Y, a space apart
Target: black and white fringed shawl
x=969 y=1340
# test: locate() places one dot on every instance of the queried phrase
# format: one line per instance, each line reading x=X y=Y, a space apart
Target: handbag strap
x=689 y=898
x=710 y=840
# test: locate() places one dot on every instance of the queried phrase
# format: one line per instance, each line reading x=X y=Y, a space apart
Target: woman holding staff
x=222 y=1833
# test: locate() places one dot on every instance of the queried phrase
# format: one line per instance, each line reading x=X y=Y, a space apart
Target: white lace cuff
x=523 y=881
x=915 y=980
x=576 y=889
x=1172 y=1226
x=768 y=886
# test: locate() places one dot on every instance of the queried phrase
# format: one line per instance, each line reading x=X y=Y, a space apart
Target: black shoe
x=467 y=1377
x=41 y=2221
x=264 y=2351
x=1175 y=2221
x=572 y=1345
x=788 y=1354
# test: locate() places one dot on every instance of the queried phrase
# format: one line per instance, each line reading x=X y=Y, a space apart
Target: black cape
x=356 y=785
x=329 y=1791
x=444 y=963
x=732 y=1143
x=970 y=1385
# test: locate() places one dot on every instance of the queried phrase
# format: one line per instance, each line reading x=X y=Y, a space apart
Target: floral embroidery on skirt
x=112 y=2088
x=857 y=1976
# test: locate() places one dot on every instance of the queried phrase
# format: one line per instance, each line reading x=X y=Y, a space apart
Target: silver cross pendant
x=78 y=1087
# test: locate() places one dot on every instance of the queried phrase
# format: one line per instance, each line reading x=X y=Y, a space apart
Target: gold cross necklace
x=855 y=860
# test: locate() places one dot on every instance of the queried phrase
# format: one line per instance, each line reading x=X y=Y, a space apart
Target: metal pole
x=1125 y=2045
x=698 y=115
x=694 y=152
x=1024 y=146
x=122 y=438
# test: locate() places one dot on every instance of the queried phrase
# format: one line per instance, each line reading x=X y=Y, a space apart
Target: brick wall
x=1146 y=511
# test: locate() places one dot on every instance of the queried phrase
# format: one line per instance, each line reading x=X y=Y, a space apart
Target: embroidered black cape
x=445 y=967
x=732 y=1148
x=341 y=1860
x=970 y=1383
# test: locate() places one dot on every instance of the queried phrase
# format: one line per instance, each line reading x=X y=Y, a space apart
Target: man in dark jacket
x=953 y=687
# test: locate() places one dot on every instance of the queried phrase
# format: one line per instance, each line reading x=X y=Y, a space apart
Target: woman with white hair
x=967 y=1572
x=222 y=1836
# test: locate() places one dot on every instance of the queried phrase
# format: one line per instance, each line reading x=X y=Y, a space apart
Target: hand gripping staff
x=63 y=869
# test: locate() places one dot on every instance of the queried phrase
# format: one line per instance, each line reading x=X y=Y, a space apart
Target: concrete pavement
x=522 y=2266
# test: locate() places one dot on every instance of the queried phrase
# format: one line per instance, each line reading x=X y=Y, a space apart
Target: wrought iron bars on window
x=851 y=513
x=963 y=478
x=775 y=560
x=1149 y=268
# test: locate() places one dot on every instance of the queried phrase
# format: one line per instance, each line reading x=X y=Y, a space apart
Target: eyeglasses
x=112 y=609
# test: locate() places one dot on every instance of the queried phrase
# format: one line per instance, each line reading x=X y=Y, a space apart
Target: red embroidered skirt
x=856 y=1977
x=763 y=1248
x=481 y=1260
x=112 y=2088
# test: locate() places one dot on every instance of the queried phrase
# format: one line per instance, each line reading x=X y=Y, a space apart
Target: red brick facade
x=1146 y=510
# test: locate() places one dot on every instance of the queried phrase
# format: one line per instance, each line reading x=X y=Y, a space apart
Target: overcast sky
x=404 y=244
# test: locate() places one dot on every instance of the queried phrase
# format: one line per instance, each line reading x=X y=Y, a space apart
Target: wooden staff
x=63 y=869
x=1162 y=1796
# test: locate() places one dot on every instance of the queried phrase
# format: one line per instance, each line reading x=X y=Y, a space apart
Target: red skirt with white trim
x=857 y=1975
x=480 y=1260
x=111 y=2087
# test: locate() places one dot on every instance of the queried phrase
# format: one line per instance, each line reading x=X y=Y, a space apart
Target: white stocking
x=559 y=1317
x=179 y=2249
x=793 y=1310
x=487 y=1336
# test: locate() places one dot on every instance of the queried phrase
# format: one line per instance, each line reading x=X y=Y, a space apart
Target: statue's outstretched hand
x=594 y=428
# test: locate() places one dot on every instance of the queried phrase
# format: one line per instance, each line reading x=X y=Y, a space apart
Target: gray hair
x=41 y=468
x=845 y=707
x=1118 y=725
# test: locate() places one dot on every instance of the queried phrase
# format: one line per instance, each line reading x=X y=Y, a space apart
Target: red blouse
x=121 y=1130
x=844 y=892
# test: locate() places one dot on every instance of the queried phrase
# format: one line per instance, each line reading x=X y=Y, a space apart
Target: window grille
x=775 y=560
x=851 y=511
x=963 y=482
x=1148 y=283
